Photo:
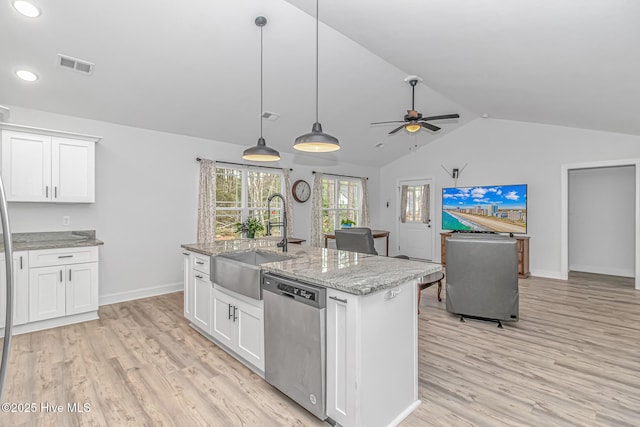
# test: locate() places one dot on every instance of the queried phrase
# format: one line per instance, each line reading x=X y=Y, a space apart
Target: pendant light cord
x=261 y=108
x=317 y=72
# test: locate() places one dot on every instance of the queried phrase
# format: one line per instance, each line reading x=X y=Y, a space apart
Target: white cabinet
x=62 y=282
x=20 y=288
x=201 y=314
x=40 y=165
x=238 y=323
x=372 y=356
x=188 y=285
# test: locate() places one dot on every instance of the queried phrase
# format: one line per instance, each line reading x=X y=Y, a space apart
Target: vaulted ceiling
x=192 y=68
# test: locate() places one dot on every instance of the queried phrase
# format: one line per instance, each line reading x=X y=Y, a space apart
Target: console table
x=376 y=234
x=522 y=248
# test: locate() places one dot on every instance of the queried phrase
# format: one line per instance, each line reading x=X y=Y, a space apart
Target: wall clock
x=301 y=190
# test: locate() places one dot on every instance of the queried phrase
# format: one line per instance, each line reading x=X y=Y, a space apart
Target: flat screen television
x=487 y=208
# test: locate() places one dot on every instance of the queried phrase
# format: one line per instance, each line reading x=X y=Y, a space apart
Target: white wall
x=602 y=220
x=508 y=152
x=146 y=199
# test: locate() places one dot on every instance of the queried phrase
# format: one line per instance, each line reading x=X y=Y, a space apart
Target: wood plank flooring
x=573 y=359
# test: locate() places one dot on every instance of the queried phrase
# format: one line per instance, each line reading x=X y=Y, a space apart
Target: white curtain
x=289 y=199
x=317 y=234
x=426 y=194
x=365 y=204
x=207 y=202
x=403 y=203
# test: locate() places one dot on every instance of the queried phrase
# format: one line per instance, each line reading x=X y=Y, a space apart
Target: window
x=341 y=203
x=242 y=193
x=414 y=203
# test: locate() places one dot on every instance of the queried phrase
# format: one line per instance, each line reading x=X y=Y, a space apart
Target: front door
x=414 y=220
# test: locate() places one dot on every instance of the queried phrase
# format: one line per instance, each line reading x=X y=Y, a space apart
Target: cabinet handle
x=69 y=274
x=234 y=313
x=344 y=301
x=46 y=190
x=65 y=256
x=198 y=276
x=20 y=262
x=199 y=262
x=185 y=253
x=55 y=192
x=228 y=311
x=60 y=276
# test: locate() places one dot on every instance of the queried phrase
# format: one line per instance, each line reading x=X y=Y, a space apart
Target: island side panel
x=372 y=377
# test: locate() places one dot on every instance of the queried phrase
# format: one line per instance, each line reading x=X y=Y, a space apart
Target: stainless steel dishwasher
x=294 y=340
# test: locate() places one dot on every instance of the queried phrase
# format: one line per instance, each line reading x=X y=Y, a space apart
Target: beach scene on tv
x=498 y=208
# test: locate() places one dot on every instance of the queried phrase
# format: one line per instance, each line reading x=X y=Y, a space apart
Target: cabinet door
x=341 y=357
x=188 y=285
x=250 y=333
x=20 y=289
x=222 y=322
x=46 y=293
x=26 y=166
x=81 y=288
x=202 y=301
x=73 y=170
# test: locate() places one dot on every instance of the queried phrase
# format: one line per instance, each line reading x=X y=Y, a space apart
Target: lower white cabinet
x=20 y=289
x=202 y=301
x=61 y=283
x=188 y=285
x=238 y=323
x=372 y=356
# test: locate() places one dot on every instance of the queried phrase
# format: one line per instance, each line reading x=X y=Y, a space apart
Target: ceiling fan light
x=261 y=153
x=413 y=127
x=316 y=141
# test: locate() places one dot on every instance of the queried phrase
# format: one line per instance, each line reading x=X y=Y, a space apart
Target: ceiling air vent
x=75 y=64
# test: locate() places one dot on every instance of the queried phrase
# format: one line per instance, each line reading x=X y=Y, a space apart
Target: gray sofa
x=482 y=276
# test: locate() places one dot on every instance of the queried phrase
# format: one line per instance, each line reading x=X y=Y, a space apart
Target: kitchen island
x=371 y=323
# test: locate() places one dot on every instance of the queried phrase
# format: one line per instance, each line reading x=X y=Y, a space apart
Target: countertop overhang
x=355 y=273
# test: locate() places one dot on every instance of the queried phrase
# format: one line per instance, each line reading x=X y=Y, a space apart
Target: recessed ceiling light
x=27 y=76
x=26 y=8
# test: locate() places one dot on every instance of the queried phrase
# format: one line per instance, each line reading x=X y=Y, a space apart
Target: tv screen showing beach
x=497 y=208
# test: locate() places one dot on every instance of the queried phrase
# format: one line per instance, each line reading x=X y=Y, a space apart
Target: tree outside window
x=341 y=203
x=242 y=193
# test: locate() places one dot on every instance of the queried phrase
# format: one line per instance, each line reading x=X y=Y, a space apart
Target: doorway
x=415 y=231
x=568 y=169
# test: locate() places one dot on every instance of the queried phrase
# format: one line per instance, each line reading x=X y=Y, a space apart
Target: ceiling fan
x=413 y=121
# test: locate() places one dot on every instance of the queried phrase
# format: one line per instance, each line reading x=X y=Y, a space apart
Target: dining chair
x=355 y=239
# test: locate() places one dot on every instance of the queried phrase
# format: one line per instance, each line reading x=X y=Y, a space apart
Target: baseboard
x=547 y=274
x=623 y=272
x=141 y=293
x=404 y=414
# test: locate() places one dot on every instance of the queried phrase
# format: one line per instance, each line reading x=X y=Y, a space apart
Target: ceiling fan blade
x=445 y=116
x=430 y=126
x=396 y=130
x=383 y=123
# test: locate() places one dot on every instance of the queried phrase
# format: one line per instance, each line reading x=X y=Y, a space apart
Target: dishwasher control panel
x=300 y=291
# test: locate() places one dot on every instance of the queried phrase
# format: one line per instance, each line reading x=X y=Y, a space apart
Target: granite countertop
x=355 y=273
x=52 y=240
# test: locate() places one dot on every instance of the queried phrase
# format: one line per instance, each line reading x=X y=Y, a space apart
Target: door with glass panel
x=415 y=231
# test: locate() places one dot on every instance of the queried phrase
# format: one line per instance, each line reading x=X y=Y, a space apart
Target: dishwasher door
x=294 y=341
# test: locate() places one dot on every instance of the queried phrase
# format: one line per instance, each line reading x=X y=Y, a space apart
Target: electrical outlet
x=66 y=220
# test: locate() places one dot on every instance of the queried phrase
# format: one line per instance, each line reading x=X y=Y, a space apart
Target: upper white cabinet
x=40 y=165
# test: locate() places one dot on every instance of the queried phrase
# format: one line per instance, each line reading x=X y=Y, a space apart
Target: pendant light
x=316 y=141
x=261 y=153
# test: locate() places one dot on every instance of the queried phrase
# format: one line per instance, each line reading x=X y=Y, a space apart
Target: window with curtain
x=413 y=209
x=341 y=203
x=242 y=193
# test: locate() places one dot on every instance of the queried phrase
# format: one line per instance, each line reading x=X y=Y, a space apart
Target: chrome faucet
x=283 y=224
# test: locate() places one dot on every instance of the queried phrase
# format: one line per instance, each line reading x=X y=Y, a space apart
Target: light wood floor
x=572 y=359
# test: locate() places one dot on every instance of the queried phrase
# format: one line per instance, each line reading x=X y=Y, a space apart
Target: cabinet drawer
x=201 y=262
x=63 y=256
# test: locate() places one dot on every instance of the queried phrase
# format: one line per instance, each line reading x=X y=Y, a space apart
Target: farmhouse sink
x=240 y=271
